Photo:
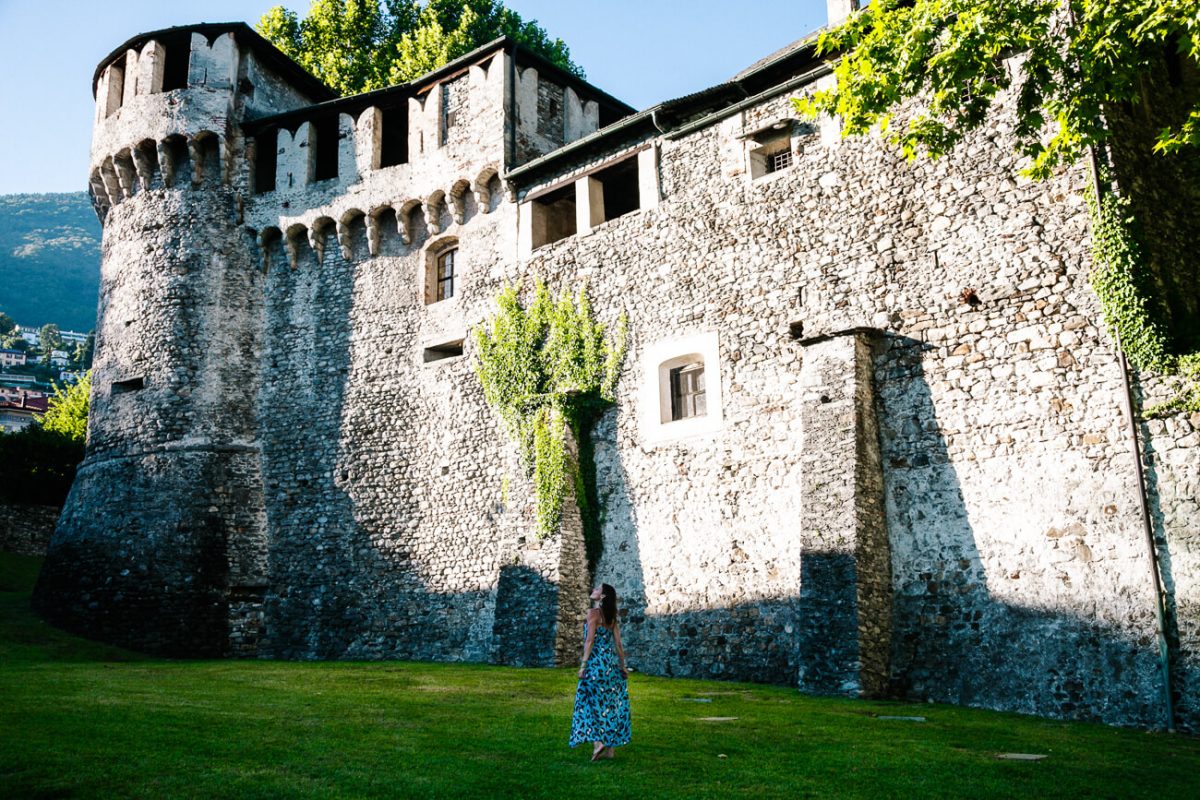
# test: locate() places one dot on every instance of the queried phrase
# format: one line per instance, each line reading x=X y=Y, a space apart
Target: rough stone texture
x=299 y=479
x=844 y=616
x=26 y=530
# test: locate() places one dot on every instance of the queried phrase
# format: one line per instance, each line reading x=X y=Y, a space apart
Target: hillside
x=49 y=259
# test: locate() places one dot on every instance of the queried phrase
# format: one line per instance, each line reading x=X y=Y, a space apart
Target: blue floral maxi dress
x=602 y=699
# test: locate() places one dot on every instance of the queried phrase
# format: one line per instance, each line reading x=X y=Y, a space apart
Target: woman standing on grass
x=602 y=699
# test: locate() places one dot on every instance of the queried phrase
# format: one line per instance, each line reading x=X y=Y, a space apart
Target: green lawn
x=80 y=719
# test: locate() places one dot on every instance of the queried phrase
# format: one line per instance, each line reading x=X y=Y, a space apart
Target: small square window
x=770 y=152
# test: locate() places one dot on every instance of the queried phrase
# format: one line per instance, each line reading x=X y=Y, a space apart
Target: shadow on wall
x=1184 y=661
x=347 y=485
x=953 y=641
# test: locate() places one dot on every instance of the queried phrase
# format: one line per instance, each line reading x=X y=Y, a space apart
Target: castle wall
x=1019 y=576
x=912 y=476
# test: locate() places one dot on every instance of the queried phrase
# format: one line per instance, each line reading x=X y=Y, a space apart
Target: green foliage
x=67 y=414
x=547 y=368
x=49 y=338
x=49 y=259
x=949 y=58
x=37 y=466
x=1130 y=310
x=6 y=324
x=360 y=45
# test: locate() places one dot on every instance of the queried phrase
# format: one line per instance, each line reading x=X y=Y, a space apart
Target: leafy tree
x=49 y=338
x=359 y=45
x=85 y=351
x=927 y=73
x=67 y=412
x=6 y=324
x=37 y=463
x=954 y=57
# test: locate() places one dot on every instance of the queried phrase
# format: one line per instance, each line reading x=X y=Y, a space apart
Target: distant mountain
x=49 y=259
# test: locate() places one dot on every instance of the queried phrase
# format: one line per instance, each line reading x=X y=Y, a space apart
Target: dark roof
x=357 y=102
x=26 y=403
x=246 y=36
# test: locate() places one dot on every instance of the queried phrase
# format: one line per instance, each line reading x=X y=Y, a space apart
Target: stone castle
x=869 y=438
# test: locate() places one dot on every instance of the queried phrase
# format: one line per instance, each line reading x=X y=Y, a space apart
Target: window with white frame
x=681 y=390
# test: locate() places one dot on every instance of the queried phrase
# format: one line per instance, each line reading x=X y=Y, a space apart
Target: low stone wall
x=26 y=530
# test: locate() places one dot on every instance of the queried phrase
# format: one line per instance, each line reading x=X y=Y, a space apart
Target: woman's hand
x=581 y=671
x=624 y=673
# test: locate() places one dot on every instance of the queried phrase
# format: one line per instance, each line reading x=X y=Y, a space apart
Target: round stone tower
x=161 y=545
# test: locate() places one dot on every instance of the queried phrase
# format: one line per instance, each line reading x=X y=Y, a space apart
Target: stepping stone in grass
x=716 y=719
x=1020 y=756
x=905 y=719
x=696 y=699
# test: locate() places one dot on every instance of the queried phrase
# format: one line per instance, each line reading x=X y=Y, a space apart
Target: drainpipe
x=1164 y=656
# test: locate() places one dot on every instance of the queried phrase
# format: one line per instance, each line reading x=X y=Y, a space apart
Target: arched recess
x=405 y=217
x=126 y=174
x=112 y=186
x=268 y=240
x=485 y=194
x=207 y=164
x=175 y=161
x=347 y=229
x=145 y=161
x=296 y=239
x=381 y=224
x=317 y=231
x=434 y=206
x=458 y=200
x=100 y=199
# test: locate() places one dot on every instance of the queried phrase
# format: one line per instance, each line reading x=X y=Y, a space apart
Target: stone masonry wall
x=1017 y=573
x=940 y=505
x=26 y=530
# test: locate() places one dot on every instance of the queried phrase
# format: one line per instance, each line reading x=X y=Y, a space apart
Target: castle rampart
x=868 y=437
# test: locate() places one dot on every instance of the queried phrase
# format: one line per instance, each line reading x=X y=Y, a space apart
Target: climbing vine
x=1131 y=313
x=549 y=367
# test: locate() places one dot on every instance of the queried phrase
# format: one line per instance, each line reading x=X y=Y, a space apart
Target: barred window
x=780 y=160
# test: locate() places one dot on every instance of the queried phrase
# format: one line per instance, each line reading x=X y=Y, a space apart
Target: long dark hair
x=608 y=604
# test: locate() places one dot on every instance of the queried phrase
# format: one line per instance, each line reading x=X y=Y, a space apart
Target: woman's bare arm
x=592 y=615
x=620 y=647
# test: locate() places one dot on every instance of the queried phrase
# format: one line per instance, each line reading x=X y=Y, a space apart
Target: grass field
x=79 y=719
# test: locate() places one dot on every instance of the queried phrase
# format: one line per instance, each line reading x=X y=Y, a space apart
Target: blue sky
x=641 y=52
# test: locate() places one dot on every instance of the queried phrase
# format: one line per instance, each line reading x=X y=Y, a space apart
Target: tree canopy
x=955 y=56
x=359 y=45
x=67 y=412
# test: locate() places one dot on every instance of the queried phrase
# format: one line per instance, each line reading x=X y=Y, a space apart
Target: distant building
x=72 y=337
x=12 y=358
x=71 y=376
x=13 y=378
x=59 y=358
x=20 y=411
x=30 y=335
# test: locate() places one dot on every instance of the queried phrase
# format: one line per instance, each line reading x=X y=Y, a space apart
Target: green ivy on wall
x=547 y=368
x=1131 y=313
